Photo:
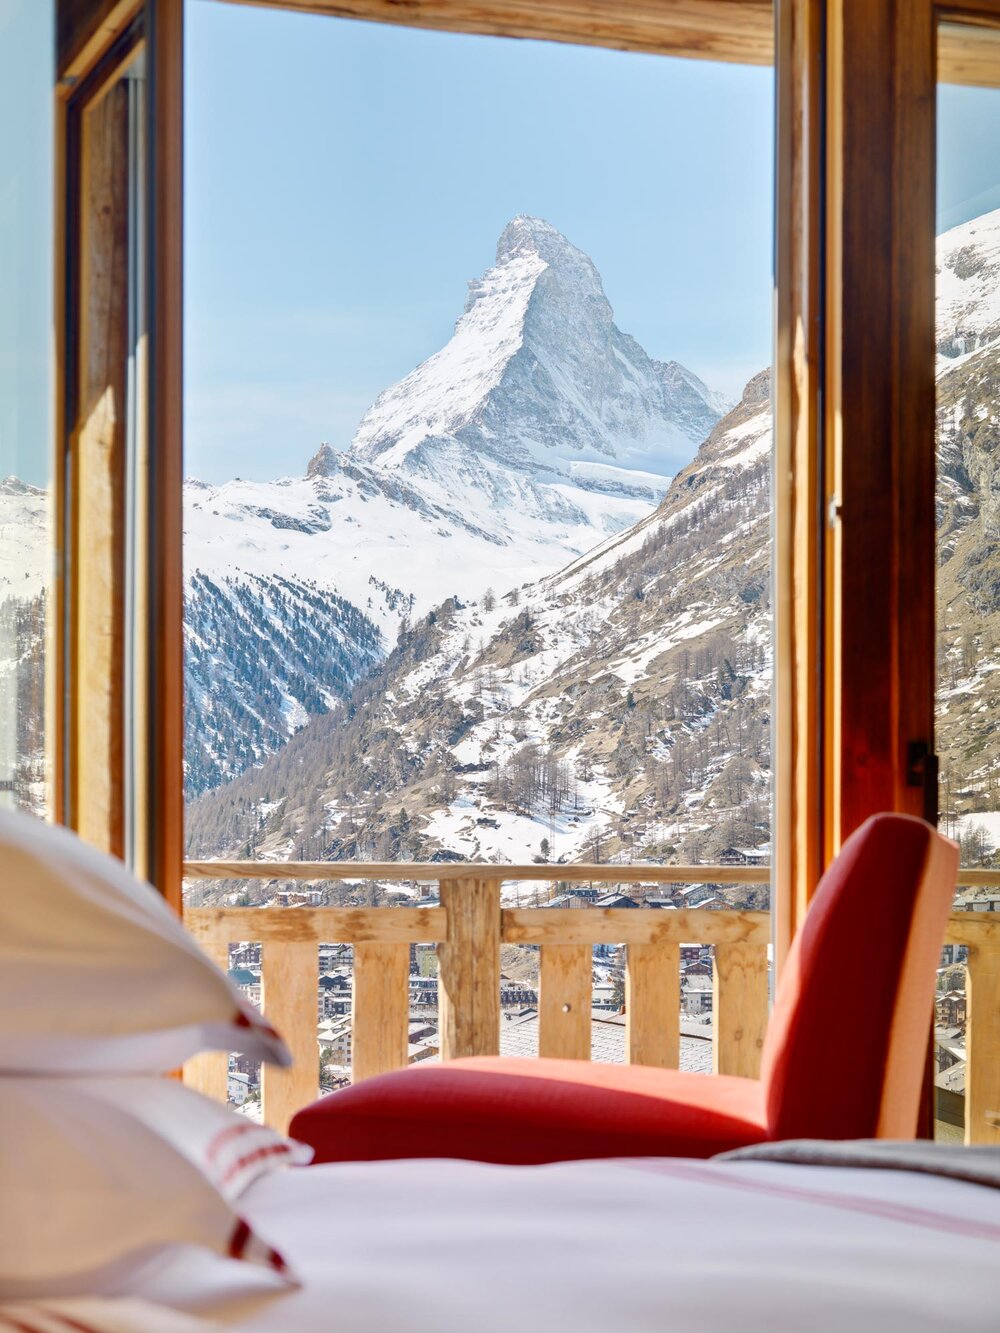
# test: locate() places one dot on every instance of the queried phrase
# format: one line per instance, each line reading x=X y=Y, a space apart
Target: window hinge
x=922 y=772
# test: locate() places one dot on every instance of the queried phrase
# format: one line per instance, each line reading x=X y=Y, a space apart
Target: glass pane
x=107 y=463
x=26 y=451
x=968 y=451
x=477 y=518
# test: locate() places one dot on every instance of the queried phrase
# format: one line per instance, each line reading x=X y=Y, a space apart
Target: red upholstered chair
x=843 y=1059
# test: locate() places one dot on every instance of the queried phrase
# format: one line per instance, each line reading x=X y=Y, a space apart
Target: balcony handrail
x=429 y=871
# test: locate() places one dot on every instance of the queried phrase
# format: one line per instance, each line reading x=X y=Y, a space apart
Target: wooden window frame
x=87 y=694
x=884 y=65
x=93 y=465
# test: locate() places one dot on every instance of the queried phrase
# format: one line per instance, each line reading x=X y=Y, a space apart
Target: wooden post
x=209 y=1073
x=796 y=476
x=565 y=1001
x=469 y=968
x=652 y=979
x=163 y=837
x=982 y=1078
x=380 y=1009
x=739 y=1008
x=290 y=990
x=879 y=403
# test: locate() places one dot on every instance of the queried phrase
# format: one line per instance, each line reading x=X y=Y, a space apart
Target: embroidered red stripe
x=219 y=1140
x=77 y=1325
x=244 y=1020
x=242 y=1236
x=248 y=1159
x=277 y=1261
x=239 y=1239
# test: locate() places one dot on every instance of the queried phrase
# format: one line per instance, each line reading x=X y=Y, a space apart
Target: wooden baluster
x=652 y=1003
x=469 y=968
x=289 y=999
x=739 y=1008
x=982 y=1078
x=380 y=1009
x=565 y=1001
x=208 y=1073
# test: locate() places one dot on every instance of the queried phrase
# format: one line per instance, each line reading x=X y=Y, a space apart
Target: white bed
x=123 y=1192
x=460 y=1247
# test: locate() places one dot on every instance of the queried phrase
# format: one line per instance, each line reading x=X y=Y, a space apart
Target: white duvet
x=605 y=1247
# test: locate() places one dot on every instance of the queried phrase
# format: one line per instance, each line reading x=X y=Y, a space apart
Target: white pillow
x=98 y=1315
x=103 y=1179
x=97 y=975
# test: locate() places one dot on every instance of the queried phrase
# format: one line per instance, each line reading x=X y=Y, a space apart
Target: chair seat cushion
x=522 y=1111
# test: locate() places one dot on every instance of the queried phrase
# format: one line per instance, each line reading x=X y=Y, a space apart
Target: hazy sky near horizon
x=346 y=180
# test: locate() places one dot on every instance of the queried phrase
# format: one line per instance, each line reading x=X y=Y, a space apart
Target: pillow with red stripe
x=105 y=1179
x=97 y=975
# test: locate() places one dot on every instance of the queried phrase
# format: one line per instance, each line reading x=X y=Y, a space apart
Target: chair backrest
x=847 y=1043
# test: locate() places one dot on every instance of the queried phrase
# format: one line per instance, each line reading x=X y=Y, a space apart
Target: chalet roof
x=335 y=981
x=519 y=1037
x=563 y=900
x=952 y=1079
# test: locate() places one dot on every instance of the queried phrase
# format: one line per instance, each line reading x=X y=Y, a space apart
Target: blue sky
x=345 y=180
x=968 y=156
x=27 y=40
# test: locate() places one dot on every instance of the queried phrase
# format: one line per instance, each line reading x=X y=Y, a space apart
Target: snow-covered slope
x=25 y=558
x=25 y=562
x=386 y=545
x=968 y=508
x=968 y=286
x=618 y=706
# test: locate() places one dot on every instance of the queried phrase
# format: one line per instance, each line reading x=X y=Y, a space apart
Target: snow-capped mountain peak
x=526 y=236
x=537 y=378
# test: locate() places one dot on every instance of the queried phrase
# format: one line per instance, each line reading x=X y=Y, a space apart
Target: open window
x=852 y=499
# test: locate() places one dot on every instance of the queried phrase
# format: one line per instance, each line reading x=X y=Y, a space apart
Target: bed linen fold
x=977 y=1165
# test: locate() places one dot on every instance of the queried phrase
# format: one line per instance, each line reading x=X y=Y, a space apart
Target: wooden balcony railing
x=469 y=927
